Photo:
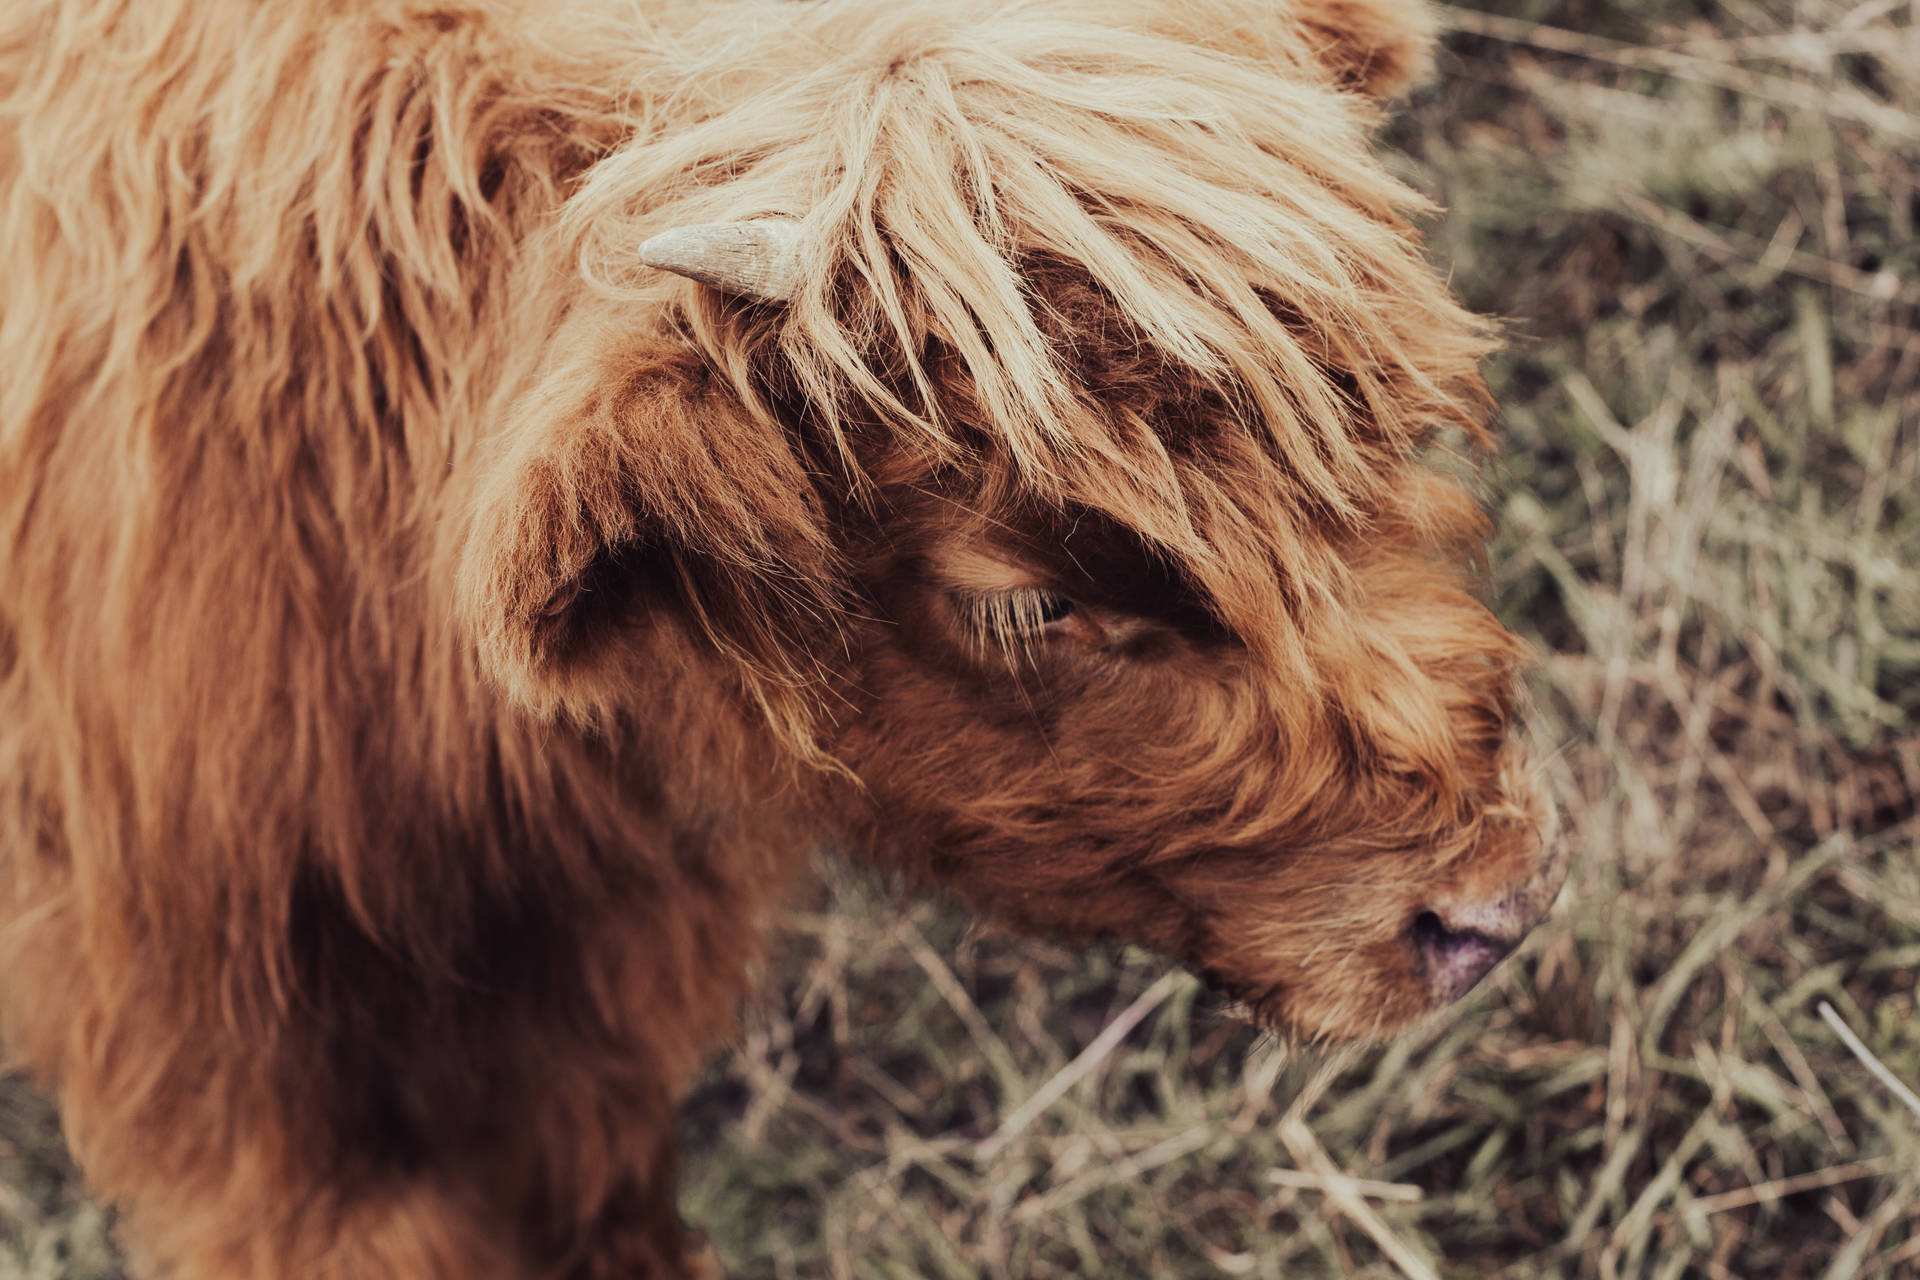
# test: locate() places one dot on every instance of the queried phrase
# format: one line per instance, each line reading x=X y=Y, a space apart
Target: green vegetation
x=1700 y=221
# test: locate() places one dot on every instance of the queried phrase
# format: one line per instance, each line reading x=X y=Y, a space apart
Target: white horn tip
x=756 y=259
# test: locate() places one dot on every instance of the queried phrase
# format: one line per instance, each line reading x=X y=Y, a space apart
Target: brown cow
x=432 y=638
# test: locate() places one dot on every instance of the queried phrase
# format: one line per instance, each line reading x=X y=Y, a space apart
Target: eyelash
x=1016 y=618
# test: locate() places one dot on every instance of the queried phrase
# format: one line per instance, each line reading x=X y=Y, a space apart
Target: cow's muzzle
x=1456 y=944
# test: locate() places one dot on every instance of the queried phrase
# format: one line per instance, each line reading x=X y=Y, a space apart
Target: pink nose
x=1453 y=960
x=1456 y=944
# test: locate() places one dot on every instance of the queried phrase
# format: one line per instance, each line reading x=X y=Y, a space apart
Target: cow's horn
x=757 y=259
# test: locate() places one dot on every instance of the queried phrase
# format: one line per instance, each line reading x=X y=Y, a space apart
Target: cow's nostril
x=1427 y=930
x=1451 y=959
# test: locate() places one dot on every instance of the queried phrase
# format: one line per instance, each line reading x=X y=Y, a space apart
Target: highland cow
x=486 y=489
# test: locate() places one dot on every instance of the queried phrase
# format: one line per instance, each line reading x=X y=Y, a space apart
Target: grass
x=1701 y=223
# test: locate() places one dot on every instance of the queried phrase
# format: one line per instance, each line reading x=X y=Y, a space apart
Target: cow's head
x=1055 y=487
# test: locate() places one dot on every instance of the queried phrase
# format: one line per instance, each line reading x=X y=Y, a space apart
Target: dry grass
x=1703 y=227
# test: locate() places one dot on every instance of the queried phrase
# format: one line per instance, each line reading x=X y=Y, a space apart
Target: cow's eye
x=1019 y=616
x=1051 y=606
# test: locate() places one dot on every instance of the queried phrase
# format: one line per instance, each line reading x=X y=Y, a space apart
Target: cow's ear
x=632 y=494
x=1377 y=47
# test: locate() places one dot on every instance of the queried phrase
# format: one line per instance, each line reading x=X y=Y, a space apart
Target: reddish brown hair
x=430 y=644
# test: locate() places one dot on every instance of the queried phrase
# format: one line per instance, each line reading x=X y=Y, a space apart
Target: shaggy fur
x=430 y=644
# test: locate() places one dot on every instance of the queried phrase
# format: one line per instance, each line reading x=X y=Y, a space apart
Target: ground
x=1700 y=221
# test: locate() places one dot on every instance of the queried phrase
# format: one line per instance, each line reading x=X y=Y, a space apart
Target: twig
x=964 y=1008
x=1406 y=1193
x=1731 y=245
x=1873 y=1064
x=17 y=1208
x=1087 y=1059
x=1768 y=1192
x=1129 y=1169
x=1803 y=1074
x=1307 y=1151
x=1812 y=98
